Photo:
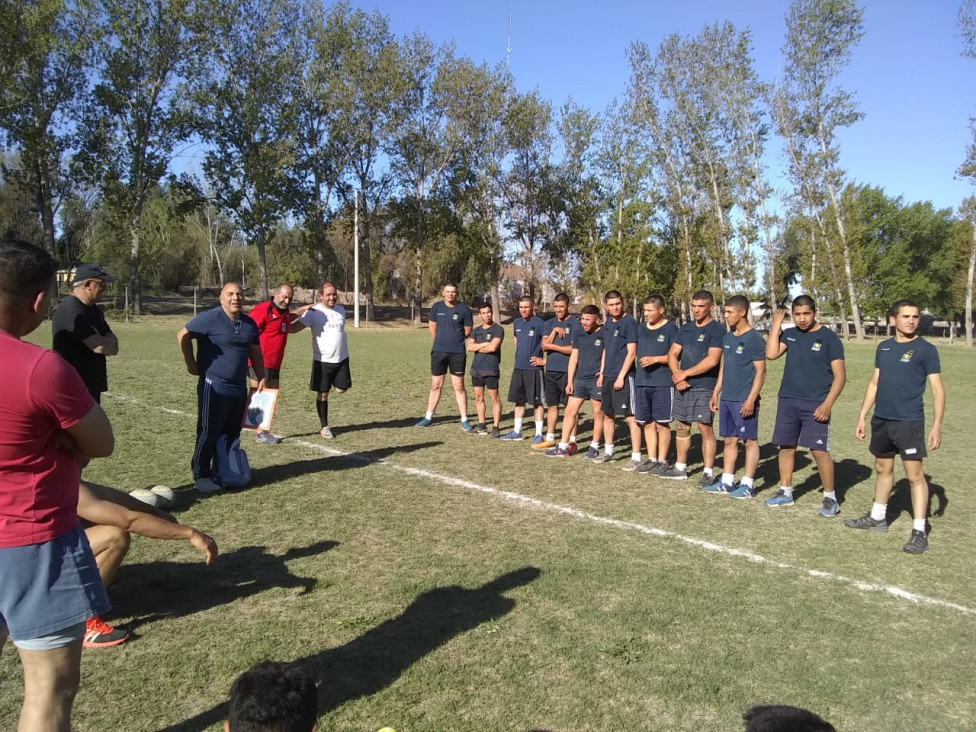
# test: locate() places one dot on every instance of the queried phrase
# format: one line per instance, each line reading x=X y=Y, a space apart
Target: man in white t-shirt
x=330 y=350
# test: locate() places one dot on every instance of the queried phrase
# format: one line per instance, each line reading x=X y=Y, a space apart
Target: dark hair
x=903 y=304
x=703 y=295
x=25 y=270
x=526 y=298
x=590 y=310
x=484 y=305
x=739 y=302
x=327 y=284
x=561 y=297
x=613 y=294
x=273 y=697
x=655 y=299
x=781 y=718
x=804 y=301
x=449 y=284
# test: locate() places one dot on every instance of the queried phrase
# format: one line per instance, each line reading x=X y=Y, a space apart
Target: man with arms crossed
x=81 y=335
x=655 y=391
x=901 y=367
x=50 y=427
x=226 y=338
x=557 y=345
x=619 y=358
x=450 y=324
x=527 y=379
x=740 y=380
x=584 y=381
x=330 y=351
x=698 y=347
x=274 y=319
x=813 y=378
x=486 y=344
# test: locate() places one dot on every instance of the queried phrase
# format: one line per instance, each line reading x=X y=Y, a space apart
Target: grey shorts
x=691 y=406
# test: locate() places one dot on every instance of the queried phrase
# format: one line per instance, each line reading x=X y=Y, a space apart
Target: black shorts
x=269 y=374
x=487 y=379
x=555 y=387
x=890 y=437
x=619 y=403
x=327 y=375
x=587 y=389
x=441 y=362
x=526 y=387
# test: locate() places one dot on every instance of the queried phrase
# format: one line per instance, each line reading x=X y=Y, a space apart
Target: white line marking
x=898 y=592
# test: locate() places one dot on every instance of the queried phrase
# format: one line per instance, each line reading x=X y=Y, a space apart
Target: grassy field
x=432 y=580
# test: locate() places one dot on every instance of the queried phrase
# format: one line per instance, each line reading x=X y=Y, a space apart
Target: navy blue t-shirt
x=739 y=352
x=556 y=361
x=695 y=342
x=590 y=347
x=223 y=345
x=528 y=340
x=618 y=334
x=904 y=369
x=807 y=374
x=449 y=336
x=487 y=361
x=655 y=342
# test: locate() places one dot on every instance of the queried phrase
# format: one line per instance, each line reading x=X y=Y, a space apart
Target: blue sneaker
x=829 y=508
x=267 y=438
x=719 y=488
x=557 y=452
x=424 y=423
x=538 y=439
x=780 y=499
x=513 y=435
x=592 y=453
x=466 y=426
x=743 y=491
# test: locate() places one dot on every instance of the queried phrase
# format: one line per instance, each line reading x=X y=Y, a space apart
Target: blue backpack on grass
x=233 y=469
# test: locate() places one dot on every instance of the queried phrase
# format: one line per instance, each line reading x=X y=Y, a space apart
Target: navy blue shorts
x=587 y=389
x=654 y=404
x=486 y=379
x=795 y=425
x=48 y=587
x=732 y=424
x=555 y=383
x=441 y=362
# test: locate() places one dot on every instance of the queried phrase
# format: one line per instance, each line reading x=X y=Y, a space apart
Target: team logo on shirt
x=531 y=333
x=597 y=343
x=817 y=345
x=740 y=348
x=616 y=332
x=701 y=338
x=660 y=338
x=454 y=317
x=907 y=356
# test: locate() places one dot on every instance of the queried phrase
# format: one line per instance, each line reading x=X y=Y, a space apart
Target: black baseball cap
x=91 y=271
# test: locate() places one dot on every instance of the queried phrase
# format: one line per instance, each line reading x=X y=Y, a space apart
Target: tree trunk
x=969 y=293
x=261 y=242
x=135 y=284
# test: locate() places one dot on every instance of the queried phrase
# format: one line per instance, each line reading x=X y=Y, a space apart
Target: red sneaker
x=573 y=448
x=99 y=634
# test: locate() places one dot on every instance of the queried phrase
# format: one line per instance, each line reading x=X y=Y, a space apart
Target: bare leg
x=920 y=488
x=479 y=403
x=884 y=480
x=825 y=466
x=730 y=454
x=51 y=681
x=607 y=428
x=570 y=418
x=683 y=442
x=552 y=416
x=635 y=434
x=109 y=544
x=709 y=446
x=786 y=460
x=598 y=421
x=752 y=458
x=663 y=441
x=650 y=439
x=496 y=406
x=436 y=384
x=461 y=396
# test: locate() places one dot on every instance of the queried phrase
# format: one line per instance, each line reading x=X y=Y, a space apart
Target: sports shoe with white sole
x=466 y=427
x=718 y=488
x=828 y=508
x=266 y=438
x=604 y=457
x=326 y=433
x=780 y=499
x=917 y=544
x=513 y=435
x=673 y=473
x=632 y=466
x=99 y=634
x=866 y=522
x=424 y=423
x=743 y=491
x=592 y=453
x=544 y=444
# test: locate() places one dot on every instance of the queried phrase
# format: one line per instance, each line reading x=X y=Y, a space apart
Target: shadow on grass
x=901 y=500
x=377 y=658
x=767 y=474
x=847 y=474
x=174 y=589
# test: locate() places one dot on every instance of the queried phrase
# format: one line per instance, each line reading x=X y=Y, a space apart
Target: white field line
x=547 y=506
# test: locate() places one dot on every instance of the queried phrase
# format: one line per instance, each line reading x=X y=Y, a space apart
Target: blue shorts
x=654 y=404
x=732 y=424
x=49 y=587
x=795 y=425
x=584 y=388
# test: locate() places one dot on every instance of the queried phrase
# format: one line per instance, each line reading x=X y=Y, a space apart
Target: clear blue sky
x=914 y=88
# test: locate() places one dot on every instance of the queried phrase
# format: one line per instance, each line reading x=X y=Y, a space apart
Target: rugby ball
x=141 y=494
x=165 y=495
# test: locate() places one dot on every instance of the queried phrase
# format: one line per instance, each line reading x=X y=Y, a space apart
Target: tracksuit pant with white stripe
x=220 y=411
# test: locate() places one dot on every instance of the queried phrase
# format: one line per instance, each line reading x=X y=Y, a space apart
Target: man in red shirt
x=274 y=320
x=49 y=428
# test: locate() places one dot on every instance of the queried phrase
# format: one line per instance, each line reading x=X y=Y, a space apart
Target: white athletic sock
x=572 y=438
x=429 y=415
x=878 y=511
x=538 y=427
x=518 y=424
x=918 y=525
x=831 y=495
x=464 y=417
x=595 y=445
x=787 y=489
x=684 y=466
x=728 y=478
x=608 y=449
x=563 y=445
x=550 y=436
x=747 y=481
x=635 y=456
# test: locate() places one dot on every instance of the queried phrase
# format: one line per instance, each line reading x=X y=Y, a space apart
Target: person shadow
x=156 y=590
x=901 y=500
x=767 y=474
x=374 y=660
x=847 y=474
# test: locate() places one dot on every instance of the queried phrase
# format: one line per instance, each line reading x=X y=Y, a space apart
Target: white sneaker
x=207 y=485
x=326 y=433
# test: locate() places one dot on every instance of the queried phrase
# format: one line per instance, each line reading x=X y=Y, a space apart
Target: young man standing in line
x=584 y=381
x=526 y=385
x=698 y=347
x=901 y=367
x=655 y=391
x=485 y=342
x=813 y=378
x=330 y=351
x=557 y=346
x=740 y=380
x=620 y=355
x=450 y=324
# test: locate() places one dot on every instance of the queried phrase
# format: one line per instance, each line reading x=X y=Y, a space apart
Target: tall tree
x=820 y=35
x=967 y=30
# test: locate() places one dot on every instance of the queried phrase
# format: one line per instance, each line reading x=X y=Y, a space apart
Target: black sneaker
x=866 y=522
x=479 y=429
x=917 y=544
x=495 y=433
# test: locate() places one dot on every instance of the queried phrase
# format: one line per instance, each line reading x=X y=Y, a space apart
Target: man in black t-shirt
x=81 y=334
x=485 y=342
x=450 y=324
